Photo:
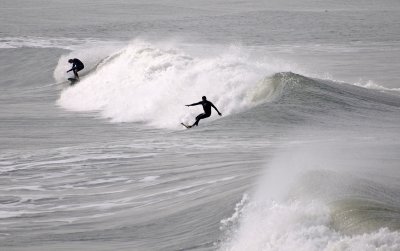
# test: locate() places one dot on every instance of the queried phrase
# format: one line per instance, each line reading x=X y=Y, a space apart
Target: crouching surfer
x=77 y=65
x=207 y=111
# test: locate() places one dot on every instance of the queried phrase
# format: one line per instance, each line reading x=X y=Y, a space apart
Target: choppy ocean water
x=305 y=156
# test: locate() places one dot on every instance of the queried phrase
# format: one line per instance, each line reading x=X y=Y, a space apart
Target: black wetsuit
x=207 y=110
x=77 y=65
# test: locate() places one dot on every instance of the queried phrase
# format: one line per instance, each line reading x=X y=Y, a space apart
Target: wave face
x=147 y=83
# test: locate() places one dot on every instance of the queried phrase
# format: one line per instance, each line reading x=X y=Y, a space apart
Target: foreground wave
x=320 y=197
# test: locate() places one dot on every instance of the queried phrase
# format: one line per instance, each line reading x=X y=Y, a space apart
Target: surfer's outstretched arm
x=73 y=68
x=198 y=103
x=220 y=114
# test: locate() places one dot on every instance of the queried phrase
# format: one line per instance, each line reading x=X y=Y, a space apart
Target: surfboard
x=73 y=80
x=187 y=126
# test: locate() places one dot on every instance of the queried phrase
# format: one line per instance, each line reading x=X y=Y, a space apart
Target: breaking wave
x=143 y=82
x=151 y=83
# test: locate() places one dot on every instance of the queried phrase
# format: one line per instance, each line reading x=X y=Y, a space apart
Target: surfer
x=77 y=65
x=207 y=110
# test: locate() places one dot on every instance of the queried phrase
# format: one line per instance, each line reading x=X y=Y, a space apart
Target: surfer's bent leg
x=76 y=71
x=76 y=74
x=201 y=116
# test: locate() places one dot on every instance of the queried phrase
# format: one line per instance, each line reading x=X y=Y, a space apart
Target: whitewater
x=304 y=157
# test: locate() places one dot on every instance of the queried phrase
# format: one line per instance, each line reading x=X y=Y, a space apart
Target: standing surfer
x=77 y=65
x=207 y=110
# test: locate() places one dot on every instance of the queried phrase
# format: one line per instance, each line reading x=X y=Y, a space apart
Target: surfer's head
x=204 y=98
x=70 y=61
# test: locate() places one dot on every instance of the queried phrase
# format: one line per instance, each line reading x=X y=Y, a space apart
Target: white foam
x=300 y=226
x=26 y=187
x=372 y=85
x=152 y=83
x=221 y=180
x=106 y=181
x=9 y=214
x=149 y=178
x=47 y=42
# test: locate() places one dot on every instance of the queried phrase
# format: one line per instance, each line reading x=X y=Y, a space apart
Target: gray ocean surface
x=305 y=156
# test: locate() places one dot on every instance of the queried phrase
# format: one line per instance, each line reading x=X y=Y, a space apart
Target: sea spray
x=295 y=205
x=92 y=55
